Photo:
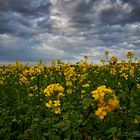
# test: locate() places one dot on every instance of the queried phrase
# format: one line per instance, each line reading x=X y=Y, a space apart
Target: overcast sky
x=68 y=29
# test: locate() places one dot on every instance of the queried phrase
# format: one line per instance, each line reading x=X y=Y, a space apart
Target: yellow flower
x=49 y=90
x=1 y=82
x=106 y=53
x=69 y=91
x=130 y=54
x=102 y=94
x=113 y=71
x=96 y=96
x=83 y=91
x=136 y=121
x=106 y=104
x=104 y=89
x=131 y=72
x=56 y=103
x=138 y=86
x=102 y=60
x=124 y=75
x=113 y=103
x=82 y=96
x=86 y=85
x=68 y=83
x=65 y=117
x=101 y=88
x=101 y=113
x=108 y=108
x=14 y=120
x=49 y=104
x=60 y=95
x=59 y=88
x=57 y=110
x=30 y=94
x=24 y=80
x=114 y=59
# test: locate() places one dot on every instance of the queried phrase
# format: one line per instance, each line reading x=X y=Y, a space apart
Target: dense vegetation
x=66 y=101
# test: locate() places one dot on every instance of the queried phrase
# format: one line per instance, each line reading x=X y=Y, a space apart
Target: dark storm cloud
x=68 y=29
x=83 y=13
x=17 y=16
x=121 y=12
x=25 y=7
x=135 y=13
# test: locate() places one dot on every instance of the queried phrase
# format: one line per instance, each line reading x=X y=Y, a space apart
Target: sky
x=68 y=30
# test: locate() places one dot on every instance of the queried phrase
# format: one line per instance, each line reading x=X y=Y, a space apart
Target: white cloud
x=102 y=5
x=53 y=1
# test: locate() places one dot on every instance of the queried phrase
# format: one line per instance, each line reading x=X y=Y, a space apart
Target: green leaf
x=64 y=125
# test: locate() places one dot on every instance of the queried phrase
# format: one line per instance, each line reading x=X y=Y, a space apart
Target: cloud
x=119 y=12
x=68 y=29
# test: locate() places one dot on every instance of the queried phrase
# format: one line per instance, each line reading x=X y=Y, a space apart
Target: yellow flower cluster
x=24 y=80
x=82 y=77
x=36 y=70
x=114 y=59
x=70 y=72
x=112 y=71
x=130 y=54
x=29 y=74
x=54 y=88
x=127 y=70
x=131 y=71
x=55 y=106
x=106 y=99
x=68 y=83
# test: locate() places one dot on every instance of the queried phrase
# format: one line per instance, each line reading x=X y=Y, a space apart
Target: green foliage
x=24 y=115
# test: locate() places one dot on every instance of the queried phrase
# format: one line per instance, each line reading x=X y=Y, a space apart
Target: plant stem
x=127 y=111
